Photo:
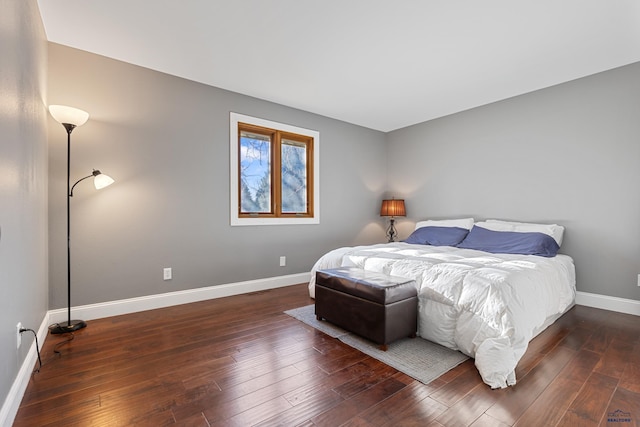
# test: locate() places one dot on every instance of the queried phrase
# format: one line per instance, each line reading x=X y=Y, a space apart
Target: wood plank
x=413 y=399
x=615 y=357
x=623 y=410
x=518 y=398
x=487 y=421
x=591 y=403
x=549 y=408
x=457 y=388
x=375 y=373
x=257 y=394
x=468 y=409
x=353 y=406
x=304 y=411
x=577 y=339
x=631 y=376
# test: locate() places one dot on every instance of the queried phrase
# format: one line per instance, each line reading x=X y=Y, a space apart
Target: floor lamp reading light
x=71 y=118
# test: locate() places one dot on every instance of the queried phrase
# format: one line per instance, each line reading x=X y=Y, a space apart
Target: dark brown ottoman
x=373 y=305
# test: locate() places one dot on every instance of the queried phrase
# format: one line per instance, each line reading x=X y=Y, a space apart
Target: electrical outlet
x=18 y=335
x=283 y=261
x=167 y=273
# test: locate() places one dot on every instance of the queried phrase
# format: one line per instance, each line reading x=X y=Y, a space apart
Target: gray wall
x=569 y=154
x=565 y=154
x=166 y=142
x=23 y=181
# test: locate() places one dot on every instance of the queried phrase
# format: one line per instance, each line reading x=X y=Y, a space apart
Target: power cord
x=64 y=331
x=61 y=343
x=55 y=348
x=37 y=347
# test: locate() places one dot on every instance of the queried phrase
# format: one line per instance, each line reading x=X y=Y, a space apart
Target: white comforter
x=489 y=306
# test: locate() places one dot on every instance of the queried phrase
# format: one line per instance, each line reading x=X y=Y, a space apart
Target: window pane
x=294 y=177
x=255 y=173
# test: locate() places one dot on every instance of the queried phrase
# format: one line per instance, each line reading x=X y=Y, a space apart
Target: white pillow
x=465 y=223
x=554 y=230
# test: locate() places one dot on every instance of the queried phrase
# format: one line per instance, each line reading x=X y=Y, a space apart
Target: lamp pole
x=69 y=129
x=69 y=325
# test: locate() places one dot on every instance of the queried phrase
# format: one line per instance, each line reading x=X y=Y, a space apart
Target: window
x=274 y=173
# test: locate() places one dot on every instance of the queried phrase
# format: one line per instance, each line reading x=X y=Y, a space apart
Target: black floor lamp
x=71 y=118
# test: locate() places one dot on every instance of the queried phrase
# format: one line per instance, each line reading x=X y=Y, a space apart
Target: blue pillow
x=510 y=242
x=437 y=236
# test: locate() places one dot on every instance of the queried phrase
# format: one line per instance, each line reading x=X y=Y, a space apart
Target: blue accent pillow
x=437 y=236
x=510 y=242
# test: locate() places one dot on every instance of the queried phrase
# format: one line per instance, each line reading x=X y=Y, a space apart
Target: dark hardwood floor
x=240 y=361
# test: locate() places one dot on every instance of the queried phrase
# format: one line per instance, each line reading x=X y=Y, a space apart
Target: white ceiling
x=377 y=63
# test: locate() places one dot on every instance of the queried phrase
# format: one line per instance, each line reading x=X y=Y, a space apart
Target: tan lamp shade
x=393 y=208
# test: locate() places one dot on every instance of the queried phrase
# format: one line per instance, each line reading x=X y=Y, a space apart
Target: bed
x=485 y=289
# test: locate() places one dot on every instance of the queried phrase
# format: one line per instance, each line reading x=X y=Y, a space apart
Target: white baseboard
x=621 y=305
x=134 y=305
x=114 y=308
x=14 y=397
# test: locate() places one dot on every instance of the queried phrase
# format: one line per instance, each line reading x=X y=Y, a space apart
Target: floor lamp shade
x=101 y=180
x=68 y=115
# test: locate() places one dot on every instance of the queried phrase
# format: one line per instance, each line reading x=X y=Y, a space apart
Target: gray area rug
x=416 y=357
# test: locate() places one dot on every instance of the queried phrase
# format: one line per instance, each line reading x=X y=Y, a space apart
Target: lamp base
x=391 y=231
x=66 y=327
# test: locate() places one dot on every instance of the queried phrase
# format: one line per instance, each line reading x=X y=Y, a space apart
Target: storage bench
x=373 y=305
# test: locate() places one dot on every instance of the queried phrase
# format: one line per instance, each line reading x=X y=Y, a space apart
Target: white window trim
x=236 y=118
